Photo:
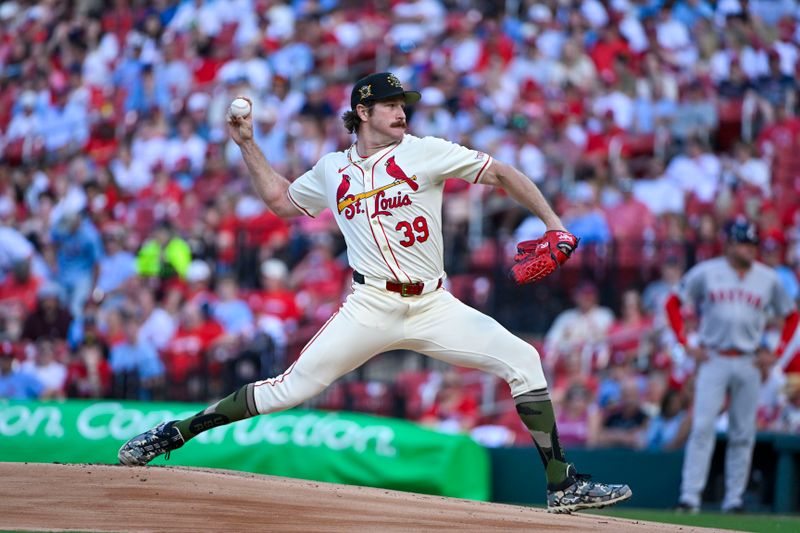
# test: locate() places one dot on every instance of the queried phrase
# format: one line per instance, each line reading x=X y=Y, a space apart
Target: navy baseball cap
x=380 y=86
x=743 y=232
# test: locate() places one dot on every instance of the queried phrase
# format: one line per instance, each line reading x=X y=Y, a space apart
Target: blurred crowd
x=136 y=261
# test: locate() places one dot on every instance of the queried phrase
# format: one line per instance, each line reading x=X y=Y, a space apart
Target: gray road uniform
x=733 y=313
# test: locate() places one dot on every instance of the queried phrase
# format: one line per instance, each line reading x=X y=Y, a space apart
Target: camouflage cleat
x=143 y=448
x=577 y=493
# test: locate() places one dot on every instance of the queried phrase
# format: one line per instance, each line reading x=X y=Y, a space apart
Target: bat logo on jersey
x=350 y=204
x=394 y=170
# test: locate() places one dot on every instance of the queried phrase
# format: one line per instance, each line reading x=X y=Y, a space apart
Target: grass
x=761 y=523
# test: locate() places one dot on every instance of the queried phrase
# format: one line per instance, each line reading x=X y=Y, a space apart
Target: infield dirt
x=36 y=496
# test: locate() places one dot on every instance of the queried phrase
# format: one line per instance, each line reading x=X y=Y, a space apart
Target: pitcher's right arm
x=270 y=186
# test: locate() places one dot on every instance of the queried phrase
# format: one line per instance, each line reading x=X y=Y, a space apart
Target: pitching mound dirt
x=117 y=498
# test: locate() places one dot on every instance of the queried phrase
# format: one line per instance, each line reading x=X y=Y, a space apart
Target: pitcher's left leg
x=741 y=432
x=447 y=329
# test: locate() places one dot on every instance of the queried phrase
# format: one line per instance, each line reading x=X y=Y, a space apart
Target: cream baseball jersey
x=389 y=205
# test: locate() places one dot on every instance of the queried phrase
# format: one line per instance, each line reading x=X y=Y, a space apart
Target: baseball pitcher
x=734 y=295
x=386 y=194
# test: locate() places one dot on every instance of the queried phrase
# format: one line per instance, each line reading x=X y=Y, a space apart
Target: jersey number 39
x=416 y=231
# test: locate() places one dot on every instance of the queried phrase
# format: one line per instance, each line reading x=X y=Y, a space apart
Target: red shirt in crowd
x=280 y=303
x=78 y=383
x=461 y=407
x=628 y=221
x=20 y=297
x=603 y=54
x=573 y=430
x=185 y=351
x=597 y=143
x=206 y=70
x=323 y=280
x=162 y=192
x=102 y=148
x=226 y=238
x=266 y=228
x=497 y=45
x=625 y=337
x=781 y=135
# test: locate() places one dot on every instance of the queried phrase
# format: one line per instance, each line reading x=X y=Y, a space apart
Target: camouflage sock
x=239 y=405
x=536 y=411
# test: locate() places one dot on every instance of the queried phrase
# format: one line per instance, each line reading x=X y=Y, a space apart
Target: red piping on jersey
x=389 y=244
x=363 y=178
x=789 y=328
x=673 y=307
x=317 y=334
x=366 y=156
x=279 y=379
x=298 y=206
x=392 y=252
x=488 y=160
x=794 y=365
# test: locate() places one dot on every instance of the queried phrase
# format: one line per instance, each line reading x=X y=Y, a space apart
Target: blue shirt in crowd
x=789 y=281
x=662 y=431
x=234 y=316
x=141 y=358
x=20 y=386
x=115 y=270
x=591 y=227
x=77 y=252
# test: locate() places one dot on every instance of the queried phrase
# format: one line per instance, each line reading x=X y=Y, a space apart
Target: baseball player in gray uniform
x=734 y=295
x=386 y=193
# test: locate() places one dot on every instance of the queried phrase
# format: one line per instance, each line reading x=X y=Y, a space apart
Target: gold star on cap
x=393 y=81
x=365 y=91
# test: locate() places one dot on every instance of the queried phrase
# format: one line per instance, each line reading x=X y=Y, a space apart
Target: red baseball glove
x=538 y=258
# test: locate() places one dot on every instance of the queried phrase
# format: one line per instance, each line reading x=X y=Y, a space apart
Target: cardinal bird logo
x=350 y=204
x=344 y=186
x=394 y=170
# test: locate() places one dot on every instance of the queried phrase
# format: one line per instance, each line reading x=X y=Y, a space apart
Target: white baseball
x=240 y=108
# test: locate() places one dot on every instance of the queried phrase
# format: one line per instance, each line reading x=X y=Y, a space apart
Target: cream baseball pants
x=373 y=320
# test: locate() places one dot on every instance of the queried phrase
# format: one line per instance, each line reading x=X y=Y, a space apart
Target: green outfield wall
x=336 y=447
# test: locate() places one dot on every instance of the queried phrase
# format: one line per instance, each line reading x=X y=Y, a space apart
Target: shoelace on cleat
x=585 y=478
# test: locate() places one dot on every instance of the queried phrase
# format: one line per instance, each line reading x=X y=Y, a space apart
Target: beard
x=740 y=261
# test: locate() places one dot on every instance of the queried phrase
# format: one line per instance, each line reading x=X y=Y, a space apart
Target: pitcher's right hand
x=241 y=128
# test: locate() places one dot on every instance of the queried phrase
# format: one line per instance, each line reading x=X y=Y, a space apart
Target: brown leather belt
x=404 y=289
